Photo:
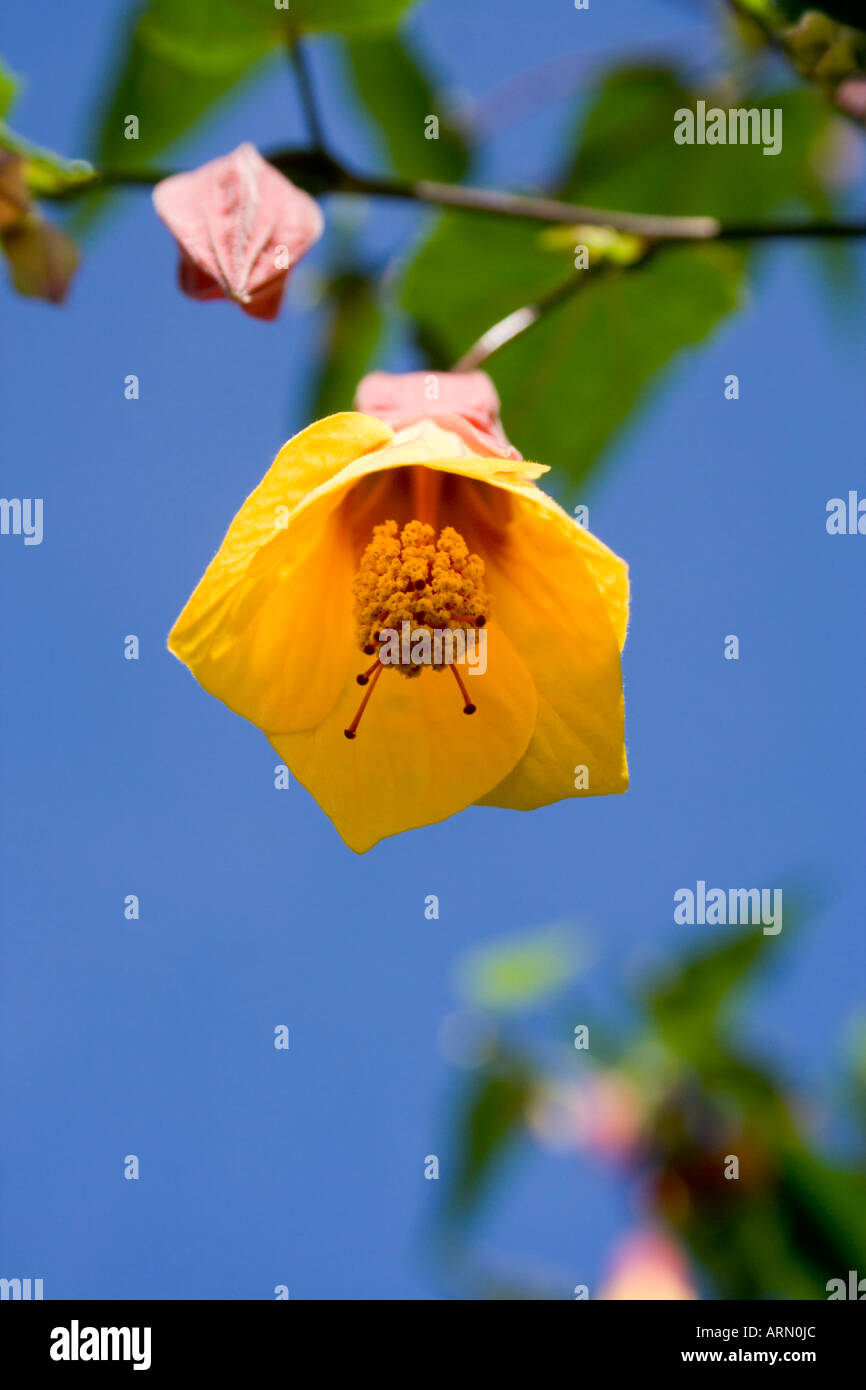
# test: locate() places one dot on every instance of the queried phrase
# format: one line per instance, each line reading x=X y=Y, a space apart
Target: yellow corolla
x=383 y=546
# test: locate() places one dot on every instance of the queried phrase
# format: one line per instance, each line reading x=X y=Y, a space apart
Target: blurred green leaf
x=8 y=87
x=744 y=1241
x=828 y=1210
x=335 y=16
x=473 y=270
x=490 y=1120
x=182 y=56
x=516 y=974
x=351 y=337
x=627 y=157
x=845 y=11
x=570 y=380
x=45 y=172
x=781 y=1234
x=568 y=383
x=397 y=95
x=687 y=1004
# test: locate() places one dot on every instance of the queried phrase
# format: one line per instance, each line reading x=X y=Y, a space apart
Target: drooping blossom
x=433 y=526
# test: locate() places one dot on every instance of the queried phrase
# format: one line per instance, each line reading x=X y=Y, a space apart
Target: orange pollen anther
x=411 y=582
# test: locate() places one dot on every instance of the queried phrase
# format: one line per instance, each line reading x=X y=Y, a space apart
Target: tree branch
x=320 y=173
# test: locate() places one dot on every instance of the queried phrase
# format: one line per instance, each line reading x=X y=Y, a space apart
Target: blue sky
x=154 y=1037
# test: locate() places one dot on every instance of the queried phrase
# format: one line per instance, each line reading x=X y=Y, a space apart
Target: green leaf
x=399 y=98
x=520 y=972
x=352 y=336
x=334 y=16
x=785 y=1231
x=845 y=11
x=182 y=56
x=490 y=1120
x=687 y=1004
x=8 y=87
x=45 y=173
x=475 y=269
x=827 y=1207
x=568 y=383
x=627 y=158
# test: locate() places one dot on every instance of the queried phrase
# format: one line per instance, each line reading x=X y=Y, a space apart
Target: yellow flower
x=362 y=535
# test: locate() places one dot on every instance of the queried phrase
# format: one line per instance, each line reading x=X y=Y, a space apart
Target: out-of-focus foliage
x=44 y=172
x=352 y=333
x=846 y=11
x=182 y=56
x=825 y=45
x=491 y=1117
x=792 y=1220
x=41 y=259
x=627 y=158
x=334 y=16
x=610 y=328
x=8 y=88
x=397 y=95
x=517 y=973
x=572 y=381
x=570 y=384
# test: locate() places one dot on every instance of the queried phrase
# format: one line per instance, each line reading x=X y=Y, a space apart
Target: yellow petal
x=417 y=757
x=568 y=631
x=433 y=447
x=269 y=630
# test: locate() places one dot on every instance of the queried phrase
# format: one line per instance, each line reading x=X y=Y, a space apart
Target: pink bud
x=647 y=1265
x=465 y=402
x=610 y=1116
x=850 y=97
x=241 y=227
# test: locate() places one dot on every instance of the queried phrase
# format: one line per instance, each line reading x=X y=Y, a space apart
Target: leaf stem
x=306 y=89
x=516 y=323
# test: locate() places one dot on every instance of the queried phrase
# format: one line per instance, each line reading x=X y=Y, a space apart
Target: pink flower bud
x=241 y=227
x=850 y=97
x=647 y=1265
x=464 y=402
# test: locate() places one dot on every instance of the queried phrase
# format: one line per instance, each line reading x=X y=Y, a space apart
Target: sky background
x=155 y=1037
